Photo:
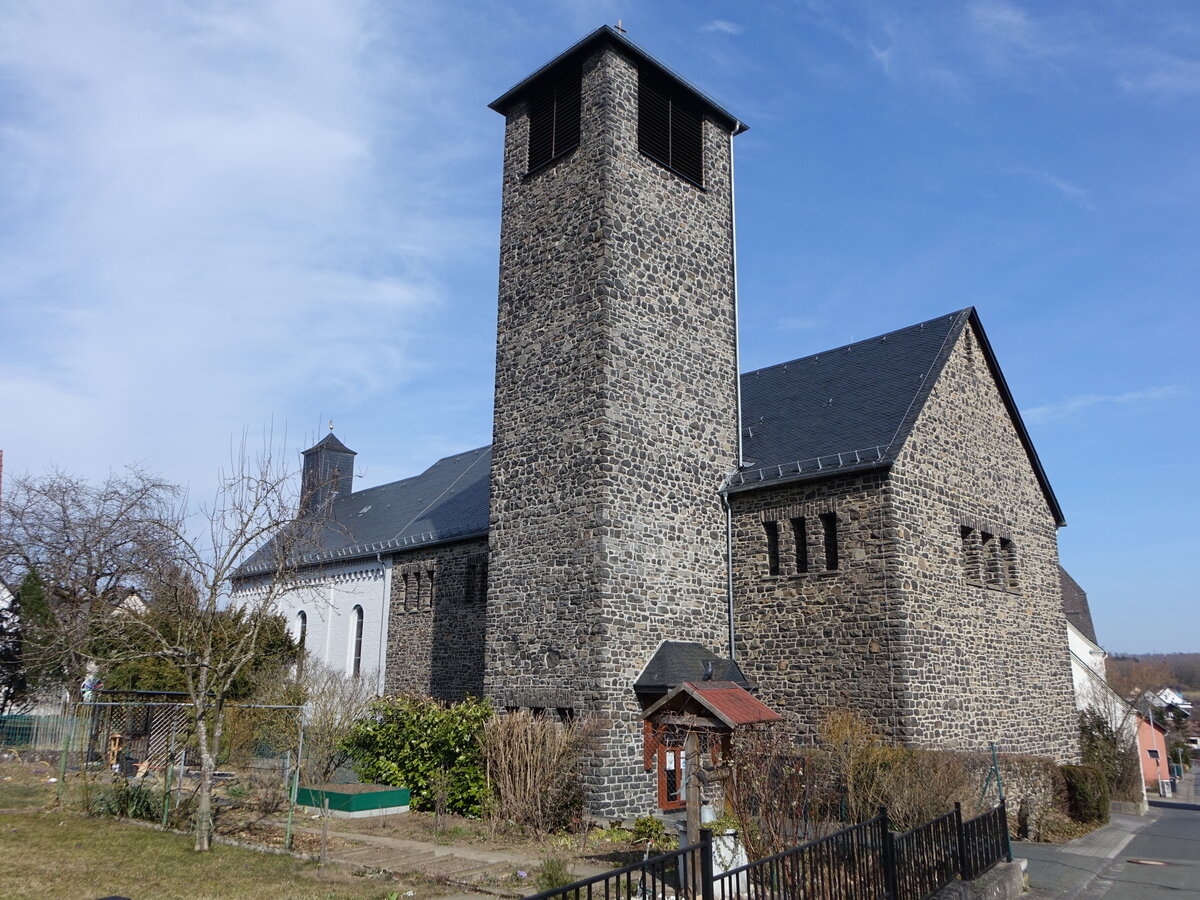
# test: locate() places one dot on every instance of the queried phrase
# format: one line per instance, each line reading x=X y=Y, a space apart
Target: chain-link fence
x=138 y=755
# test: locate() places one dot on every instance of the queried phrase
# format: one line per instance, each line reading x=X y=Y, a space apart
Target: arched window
x=301 y=629
x=356 y=646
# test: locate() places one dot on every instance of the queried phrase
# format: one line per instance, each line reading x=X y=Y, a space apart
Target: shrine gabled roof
x=675 y=662
x=725 y=701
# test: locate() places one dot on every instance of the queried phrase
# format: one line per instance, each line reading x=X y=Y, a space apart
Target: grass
x=52 y=853
x=65 y=855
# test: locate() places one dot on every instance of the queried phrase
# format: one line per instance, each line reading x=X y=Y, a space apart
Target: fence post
x=1004 y=825
x=167 y=795
x=68 y=732
x=706 y=864
x=963 y=871
x=890 y=875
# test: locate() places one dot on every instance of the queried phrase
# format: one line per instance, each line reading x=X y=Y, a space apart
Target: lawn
x=49 y=853
x=66 y=855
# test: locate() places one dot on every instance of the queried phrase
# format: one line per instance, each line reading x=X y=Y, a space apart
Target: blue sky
x=215 y=216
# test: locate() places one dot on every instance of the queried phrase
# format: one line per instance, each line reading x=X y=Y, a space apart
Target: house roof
x=448 y=501
x=725 y=701
x=608 y=34
x=852 y=408
x=1075 y=605
x=675 y=662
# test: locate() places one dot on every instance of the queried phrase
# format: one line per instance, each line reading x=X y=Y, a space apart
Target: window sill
x=670 y=168
x=541 y=167
x=999 y=589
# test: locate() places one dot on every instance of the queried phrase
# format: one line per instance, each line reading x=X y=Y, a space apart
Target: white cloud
x=206 y=213
x=722 y=26
x=1065 y=408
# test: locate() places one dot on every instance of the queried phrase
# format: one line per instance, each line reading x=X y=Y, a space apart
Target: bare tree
x=251 y=532
x=333 y=702
x=89 y=546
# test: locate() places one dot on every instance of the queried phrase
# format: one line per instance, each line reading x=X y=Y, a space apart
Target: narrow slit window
x=991 y=559
x=469 y=587
x=829 y=526
x=356 y=650
x=554 y=119
x=1008 y=551
x=800 y=534
x=772 y=529
x=302 y=629
x=970 y=553
x=670 y=127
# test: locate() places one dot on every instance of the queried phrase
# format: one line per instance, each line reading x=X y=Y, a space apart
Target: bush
x=407 y=740
x=554 y=872
x=648 y=828
x=129 y=800
x=1115 y=754
x=533 y=768
x=1087 y=793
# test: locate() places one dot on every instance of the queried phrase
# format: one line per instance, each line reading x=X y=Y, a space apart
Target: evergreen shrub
x=1087 y=793
x=407 y=740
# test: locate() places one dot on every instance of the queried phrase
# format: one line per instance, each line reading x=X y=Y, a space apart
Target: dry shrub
x=914 y=785
x=778 y=792
x=532 y=765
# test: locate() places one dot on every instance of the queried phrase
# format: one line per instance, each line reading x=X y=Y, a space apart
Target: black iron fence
x=863 y=862
x=983 y=841
x=850 y=863
x=686 y=872
x=927 y=857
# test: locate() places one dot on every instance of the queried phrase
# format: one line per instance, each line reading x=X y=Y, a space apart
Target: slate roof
x=330 y=442
x=851 y=408
x=843 y=410
x=448 y=501
x=608 y=34
x=678 y=661
x=1075 y=605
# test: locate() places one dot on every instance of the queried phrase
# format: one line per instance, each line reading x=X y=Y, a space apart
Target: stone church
x=868 y=527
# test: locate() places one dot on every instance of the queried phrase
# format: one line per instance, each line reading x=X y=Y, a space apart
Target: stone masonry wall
x=615 y=421
x=978 y=576
x=436 y=621
x=819 y=640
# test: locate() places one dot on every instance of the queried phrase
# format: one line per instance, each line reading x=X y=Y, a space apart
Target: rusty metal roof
x=726 y=701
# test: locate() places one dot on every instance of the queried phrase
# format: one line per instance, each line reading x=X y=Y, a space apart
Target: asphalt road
x=1131 y=858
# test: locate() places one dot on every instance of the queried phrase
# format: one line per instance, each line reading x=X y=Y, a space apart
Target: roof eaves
x=611 y=35
x=773 y=476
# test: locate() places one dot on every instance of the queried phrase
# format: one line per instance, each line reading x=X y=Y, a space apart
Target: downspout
x=737 y=384
x=385 y=615
x=737 y=349
x=724 y=492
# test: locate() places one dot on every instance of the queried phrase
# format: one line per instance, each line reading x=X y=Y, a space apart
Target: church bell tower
x=616 y=418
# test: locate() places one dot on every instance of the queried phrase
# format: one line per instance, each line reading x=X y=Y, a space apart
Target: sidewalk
x=1074 y=869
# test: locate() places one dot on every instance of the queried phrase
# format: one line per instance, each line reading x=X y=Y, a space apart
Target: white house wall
x=328 y=598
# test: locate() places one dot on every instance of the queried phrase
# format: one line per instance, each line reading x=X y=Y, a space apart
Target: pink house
x=1152 y=751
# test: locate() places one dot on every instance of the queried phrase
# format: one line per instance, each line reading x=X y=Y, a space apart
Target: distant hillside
x=1178 y=670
